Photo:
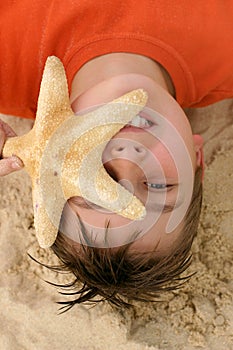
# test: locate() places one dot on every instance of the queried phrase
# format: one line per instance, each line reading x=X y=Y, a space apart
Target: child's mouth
x=140 y=121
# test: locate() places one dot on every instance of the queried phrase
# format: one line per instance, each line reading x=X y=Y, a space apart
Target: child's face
x=144 y=161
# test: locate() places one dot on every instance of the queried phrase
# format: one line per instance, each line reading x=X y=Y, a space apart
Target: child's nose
x=128 y=150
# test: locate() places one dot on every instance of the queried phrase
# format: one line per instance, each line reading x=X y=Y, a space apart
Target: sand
x=200 y=316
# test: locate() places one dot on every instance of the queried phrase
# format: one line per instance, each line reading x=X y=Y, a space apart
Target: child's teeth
x=139 y=121
x=136 y=121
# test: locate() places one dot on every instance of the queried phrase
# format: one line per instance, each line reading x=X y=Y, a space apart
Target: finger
x=9 y=165
x=2 y=139
x=7 y=129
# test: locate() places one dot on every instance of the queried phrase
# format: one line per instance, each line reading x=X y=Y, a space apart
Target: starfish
x=63 y=153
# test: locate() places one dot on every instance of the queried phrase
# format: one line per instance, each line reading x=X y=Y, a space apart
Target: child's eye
x=157 y=186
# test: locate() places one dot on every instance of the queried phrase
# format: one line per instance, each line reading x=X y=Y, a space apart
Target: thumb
x=9 y=165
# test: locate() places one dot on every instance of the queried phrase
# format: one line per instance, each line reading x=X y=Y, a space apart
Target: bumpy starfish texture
x=63 y=153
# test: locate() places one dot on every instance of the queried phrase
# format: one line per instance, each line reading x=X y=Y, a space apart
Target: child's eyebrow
x=166 y=208
x=82 y=203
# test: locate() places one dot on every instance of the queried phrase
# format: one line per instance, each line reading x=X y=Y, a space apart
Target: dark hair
x=117 y=275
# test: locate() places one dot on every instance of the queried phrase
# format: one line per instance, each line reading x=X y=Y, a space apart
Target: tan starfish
x=63 y=153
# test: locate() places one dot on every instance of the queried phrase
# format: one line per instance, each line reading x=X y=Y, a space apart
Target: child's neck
x=111 y=65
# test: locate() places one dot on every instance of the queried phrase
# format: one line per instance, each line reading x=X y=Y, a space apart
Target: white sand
x=200 y=316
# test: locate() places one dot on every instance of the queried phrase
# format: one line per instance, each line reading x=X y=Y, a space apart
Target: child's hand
x=11 y=164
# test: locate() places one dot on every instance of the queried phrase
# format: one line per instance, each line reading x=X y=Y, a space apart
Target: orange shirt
x=192 y=39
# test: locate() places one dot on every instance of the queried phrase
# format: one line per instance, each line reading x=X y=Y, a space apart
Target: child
x=178 y=52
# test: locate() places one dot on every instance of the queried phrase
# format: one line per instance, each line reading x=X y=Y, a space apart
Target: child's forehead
x=111 y=230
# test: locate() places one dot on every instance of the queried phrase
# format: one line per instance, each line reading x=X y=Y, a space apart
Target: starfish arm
x=99 y=188
x=53 y=102
x=22 y=147
x=53 y=108
x=46 y=220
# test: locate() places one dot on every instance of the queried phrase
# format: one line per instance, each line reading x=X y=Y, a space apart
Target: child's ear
x=198 y=145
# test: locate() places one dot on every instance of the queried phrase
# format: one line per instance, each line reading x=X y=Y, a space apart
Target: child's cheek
x=165 y=160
